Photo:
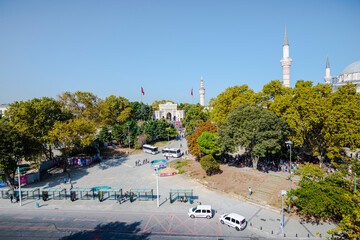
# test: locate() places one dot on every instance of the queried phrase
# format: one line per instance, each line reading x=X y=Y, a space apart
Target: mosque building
x=351 y=74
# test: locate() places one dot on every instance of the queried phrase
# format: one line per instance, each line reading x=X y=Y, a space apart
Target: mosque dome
x=352 y=68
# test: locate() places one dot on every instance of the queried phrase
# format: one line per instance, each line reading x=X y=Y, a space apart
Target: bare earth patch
x=265 y=186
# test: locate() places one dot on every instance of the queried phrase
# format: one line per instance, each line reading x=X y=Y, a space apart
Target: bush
x=209 y=164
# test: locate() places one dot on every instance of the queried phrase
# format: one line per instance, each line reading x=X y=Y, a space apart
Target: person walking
x=64 y=180
x=250 y=192
x=11 y=198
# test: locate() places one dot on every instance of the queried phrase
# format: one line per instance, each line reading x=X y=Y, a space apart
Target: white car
x=200 y=211
x=233 y=220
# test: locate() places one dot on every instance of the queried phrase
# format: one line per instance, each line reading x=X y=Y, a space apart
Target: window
x=227 y=218
x=203 y=211
x=237 y=222
x=233 y=220
x=243 y=221
x=198 y=211
x=208 y=211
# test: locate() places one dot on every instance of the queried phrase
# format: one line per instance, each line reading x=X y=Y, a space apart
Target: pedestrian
x=64 y=180
x=11 y=198
x=71 y=186
x=250 y=192
x=70 y=180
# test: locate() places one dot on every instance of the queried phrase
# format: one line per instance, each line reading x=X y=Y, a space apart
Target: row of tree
x=32 y=129
x=322 y=124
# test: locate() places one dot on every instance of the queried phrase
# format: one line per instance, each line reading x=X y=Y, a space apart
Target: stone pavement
x=122 y=173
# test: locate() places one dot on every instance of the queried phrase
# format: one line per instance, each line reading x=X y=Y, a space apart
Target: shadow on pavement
x=113 y=230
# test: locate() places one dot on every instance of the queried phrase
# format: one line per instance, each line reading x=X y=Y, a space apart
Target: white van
x=200 y=211
x=234 y=220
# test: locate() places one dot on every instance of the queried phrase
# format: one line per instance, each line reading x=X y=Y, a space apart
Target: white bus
x=171 y=152
x=150 y=149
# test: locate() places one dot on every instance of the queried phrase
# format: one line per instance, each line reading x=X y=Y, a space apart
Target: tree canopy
x=192 y=139
x=195 y=115
x=36 y=118
x=231 y=98
x=116 y=110
x=260 y=131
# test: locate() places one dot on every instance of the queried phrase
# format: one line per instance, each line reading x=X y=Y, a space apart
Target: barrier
x=25 y=193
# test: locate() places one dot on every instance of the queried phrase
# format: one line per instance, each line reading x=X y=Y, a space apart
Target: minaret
x=202 y=92
x=286 y=61
x=327 y=77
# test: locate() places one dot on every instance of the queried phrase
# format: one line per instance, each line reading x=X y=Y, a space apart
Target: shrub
x=209 y=164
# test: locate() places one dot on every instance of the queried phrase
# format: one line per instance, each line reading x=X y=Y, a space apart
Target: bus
x=150 y=149
x=171 y=152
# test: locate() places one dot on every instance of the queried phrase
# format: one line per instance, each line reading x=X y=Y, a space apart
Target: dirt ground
x=236 y=181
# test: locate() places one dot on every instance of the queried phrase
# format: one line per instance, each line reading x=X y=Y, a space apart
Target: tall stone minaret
x=286 y=61
x=327 y=77
x=202 y=92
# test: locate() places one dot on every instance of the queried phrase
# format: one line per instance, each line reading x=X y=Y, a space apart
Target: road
x=73 y=224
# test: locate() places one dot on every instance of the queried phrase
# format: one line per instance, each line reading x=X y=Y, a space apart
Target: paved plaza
x=166 y=220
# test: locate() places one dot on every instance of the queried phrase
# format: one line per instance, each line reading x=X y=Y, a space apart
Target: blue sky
x=115 y=47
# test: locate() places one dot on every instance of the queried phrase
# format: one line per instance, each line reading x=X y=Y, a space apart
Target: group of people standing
x=139 y=162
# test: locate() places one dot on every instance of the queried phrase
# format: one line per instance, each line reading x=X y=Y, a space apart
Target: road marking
x=63 y=202
x=127 y=165
x=86 y=219
x=52 y=219
x=23 y=217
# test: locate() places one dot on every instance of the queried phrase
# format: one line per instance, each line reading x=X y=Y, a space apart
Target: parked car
x=233 y=220
x=200 y=211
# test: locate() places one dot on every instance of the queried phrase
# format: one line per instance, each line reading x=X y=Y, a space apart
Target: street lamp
x=283 y=193
x=157 y=186
x=289 y=144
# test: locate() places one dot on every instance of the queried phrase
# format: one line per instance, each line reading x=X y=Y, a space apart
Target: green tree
x=271 y=90
x=15 y=145
x=196 y=115
x=36 y=118
x=118 y=132
x=192 y=142
x=231 y=98
x=105 y=134
x=116 y=110
x=209 y=164
x=320 y=122
x=260 y=131
x=349 y=227
x=84 y=104
x=132 y=129
x=142 y=111
x=320 y=197
x=77 y=132
x=208 y=143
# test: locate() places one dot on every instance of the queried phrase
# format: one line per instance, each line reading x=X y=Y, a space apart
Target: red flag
x=142 y=91
x=192 y=93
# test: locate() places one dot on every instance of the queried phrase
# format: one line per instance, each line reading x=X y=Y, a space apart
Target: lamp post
x=283 y=193
x=19 y=184
x=289 y=144
x=157 y=186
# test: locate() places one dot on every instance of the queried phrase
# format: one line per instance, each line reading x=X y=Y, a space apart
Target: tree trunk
x=9 y=180
x=255 y=161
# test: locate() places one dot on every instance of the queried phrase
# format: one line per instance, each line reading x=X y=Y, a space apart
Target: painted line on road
x=85 y=219
x=23 y=217
x=207 y=223
x=65 y=201
x=127 y=165
x=172 y=218
x=182 y=223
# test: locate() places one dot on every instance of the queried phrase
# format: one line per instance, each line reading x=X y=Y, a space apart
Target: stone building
x=169 y=112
